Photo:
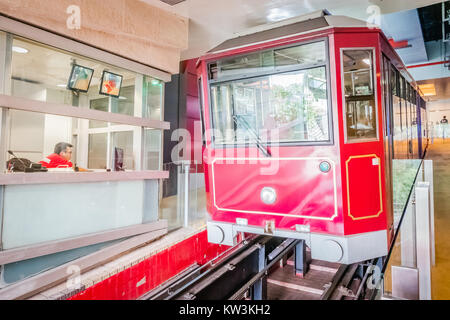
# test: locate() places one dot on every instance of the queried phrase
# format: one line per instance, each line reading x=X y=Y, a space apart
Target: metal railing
x=183 y=197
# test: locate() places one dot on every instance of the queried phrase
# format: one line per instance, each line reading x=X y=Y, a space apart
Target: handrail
x=388 y=256
x=21 y=178
x=60 y=109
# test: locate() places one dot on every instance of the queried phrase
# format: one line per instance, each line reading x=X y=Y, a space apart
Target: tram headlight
x=324 y=166
x=268 y=195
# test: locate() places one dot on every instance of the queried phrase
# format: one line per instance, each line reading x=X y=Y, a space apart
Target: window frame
x=375 y=95
x=276 y=71
x=14 y=29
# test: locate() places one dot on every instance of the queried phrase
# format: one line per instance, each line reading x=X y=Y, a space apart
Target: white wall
x=438 y=109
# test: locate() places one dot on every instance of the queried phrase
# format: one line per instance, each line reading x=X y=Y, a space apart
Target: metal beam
x=65 y=110
x=42 y=281
x=423 y=245
x=33 y=251
x=78 y=177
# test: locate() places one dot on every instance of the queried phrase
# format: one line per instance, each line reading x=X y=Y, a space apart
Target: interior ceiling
x=213 y=21
x=406 y=25
x=442 y=87
x=431 y=21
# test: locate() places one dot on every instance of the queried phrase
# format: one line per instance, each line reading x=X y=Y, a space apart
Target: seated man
x=61 y=157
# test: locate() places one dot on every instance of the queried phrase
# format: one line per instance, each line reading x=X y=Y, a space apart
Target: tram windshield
x=289 y=106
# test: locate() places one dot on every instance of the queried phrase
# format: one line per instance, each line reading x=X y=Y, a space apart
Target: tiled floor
x=439 y=152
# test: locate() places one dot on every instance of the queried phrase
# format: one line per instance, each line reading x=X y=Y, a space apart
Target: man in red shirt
x=61 y=157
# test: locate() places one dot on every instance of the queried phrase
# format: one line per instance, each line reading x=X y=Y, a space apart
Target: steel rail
x=259 y=275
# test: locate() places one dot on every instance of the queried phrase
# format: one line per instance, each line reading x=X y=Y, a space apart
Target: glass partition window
x=152 y=145
x=153 y=93
x=360 y=106
x=293 y=103
x=33 y=136
x=122 y=151
x=42 y=73
x=101 y=104
x=97 y=151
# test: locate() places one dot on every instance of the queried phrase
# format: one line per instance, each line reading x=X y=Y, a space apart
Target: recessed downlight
x=19 y=49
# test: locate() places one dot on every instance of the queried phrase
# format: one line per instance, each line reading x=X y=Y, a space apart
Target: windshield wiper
x=246 y=126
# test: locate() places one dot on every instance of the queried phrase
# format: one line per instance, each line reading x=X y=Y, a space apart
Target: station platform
x=439 y=152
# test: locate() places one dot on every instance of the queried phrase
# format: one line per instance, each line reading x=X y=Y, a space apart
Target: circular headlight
x=324 y=166
x=268 y=195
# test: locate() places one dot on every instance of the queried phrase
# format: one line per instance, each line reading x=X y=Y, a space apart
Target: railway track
x=262 y=268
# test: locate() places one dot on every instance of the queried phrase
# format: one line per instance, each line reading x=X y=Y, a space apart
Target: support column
x=300 y=264
x=423 y=239
x=408 y=239
x=260 y=287
x=428 y=177
x=186 y=194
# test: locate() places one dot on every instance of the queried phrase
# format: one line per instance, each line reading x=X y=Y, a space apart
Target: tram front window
x=288 y=107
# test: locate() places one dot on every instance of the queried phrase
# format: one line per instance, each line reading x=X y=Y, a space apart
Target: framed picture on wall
x=80 y=78
x=111 y=84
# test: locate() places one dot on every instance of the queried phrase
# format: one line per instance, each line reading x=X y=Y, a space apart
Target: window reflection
x=153 y=93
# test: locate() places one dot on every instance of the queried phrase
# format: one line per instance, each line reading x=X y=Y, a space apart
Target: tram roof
x=318 y=20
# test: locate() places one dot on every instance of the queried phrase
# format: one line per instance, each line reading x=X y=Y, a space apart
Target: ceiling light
x=155 y=82
x=367 y=61
x=62 y=85
x=277 y=15
x=427 y=89
x=19 y=49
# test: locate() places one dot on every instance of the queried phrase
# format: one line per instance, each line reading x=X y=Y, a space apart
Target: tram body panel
x=362 y=158
x=236 y=186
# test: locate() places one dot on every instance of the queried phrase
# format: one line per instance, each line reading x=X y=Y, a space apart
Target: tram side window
x=361 y=114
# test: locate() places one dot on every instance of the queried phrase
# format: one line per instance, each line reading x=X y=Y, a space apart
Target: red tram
x=301 y=123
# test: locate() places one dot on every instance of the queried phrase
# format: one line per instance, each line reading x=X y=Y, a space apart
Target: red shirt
x=54 y=161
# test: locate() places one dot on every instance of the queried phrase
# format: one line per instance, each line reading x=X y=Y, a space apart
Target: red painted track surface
x=130 y=284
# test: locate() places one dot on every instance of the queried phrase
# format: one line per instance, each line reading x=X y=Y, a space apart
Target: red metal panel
x=156 y=269
x=363 y=149
x=237 y=187
x=123 y=284
x=399 y=44
x=364 y=195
